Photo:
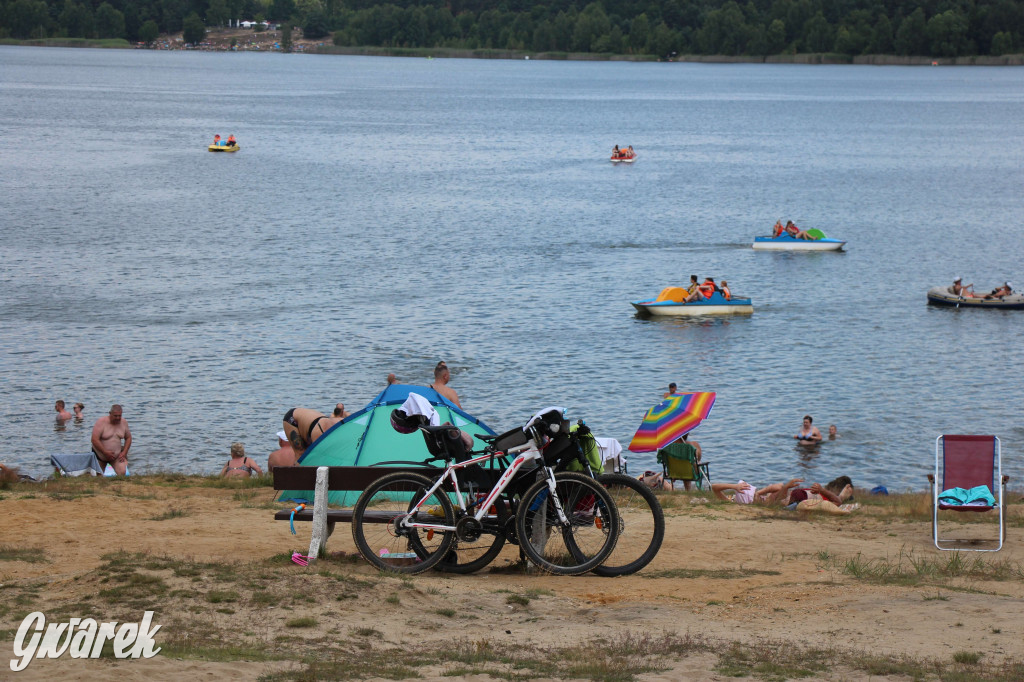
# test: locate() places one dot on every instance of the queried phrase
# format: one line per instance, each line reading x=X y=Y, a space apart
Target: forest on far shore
x=935 y=28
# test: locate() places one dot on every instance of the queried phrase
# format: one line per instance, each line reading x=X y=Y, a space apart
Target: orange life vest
x=707 y=289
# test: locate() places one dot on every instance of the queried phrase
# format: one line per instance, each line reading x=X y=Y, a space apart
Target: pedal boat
x=624 y=156
x=669 y=304
x=944 y=297
x=219 y=148
x=787 y=242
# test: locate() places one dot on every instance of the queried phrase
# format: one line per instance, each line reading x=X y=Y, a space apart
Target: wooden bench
x=324 y=480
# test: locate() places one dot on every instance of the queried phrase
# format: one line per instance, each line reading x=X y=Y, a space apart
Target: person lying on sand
x=788 y=494
x=744 y=493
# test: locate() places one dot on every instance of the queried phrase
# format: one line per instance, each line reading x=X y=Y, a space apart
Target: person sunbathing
x=745 y=493
x=788 y=494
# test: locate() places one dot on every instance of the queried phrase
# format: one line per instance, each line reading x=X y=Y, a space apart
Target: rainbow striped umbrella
x=670 y=419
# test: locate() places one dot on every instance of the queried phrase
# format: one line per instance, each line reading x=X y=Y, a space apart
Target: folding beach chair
x=679 y=463
x=966 y=462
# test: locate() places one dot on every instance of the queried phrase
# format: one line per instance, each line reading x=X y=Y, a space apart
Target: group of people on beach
x=302 y=427
x=789 y=494
x=111 y=442
x=111 y=438
x=833 y=497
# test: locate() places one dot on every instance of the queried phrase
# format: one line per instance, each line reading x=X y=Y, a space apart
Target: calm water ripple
x=387 y=213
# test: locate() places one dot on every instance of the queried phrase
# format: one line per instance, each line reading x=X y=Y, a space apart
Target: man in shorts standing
x=111 y=440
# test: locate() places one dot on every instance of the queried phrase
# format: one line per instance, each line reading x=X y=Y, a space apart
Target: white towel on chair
x=611 y=451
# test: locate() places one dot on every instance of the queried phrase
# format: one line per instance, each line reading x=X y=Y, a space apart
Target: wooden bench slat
x=340 y=478
x=335 y=516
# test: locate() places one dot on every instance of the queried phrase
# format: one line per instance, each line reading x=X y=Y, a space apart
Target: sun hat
x=281 y=435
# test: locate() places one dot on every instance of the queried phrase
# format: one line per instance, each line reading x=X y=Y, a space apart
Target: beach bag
x=588 y=444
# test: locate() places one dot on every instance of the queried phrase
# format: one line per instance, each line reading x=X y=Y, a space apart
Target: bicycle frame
x=525 y=453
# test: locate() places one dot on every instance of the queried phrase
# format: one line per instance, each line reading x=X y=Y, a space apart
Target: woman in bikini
x=808 y=434
x=239 y=464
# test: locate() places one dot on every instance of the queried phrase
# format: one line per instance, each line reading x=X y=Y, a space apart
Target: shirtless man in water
x=107 y=437
x=62 y=414
x=441 y=378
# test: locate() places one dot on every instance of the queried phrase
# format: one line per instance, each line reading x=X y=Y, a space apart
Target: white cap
x=1008 y=285
x=281 y=435
x=958 y=279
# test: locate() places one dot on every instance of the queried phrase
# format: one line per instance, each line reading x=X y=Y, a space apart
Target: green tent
x=366 y=438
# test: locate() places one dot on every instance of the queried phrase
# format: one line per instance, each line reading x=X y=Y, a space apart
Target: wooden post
x=320 y=496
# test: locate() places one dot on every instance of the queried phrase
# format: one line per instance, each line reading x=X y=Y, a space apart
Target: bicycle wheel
x=471 y=555
x=584 y=541
x=641 y=525
x=377 y=526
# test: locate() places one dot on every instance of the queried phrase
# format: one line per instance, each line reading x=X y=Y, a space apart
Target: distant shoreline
x=452 y=53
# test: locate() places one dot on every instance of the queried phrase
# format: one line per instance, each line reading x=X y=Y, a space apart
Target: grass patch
x=32 y=555
x=184 y=648
x=303 y=622
x=219 y=596
x=967 y=657
x=264 y=598
x=70 y=495
x=366 y=632
x=134 y=586
x=447 y=613
x=937 y=597
x=909 y=570
x=171 y=513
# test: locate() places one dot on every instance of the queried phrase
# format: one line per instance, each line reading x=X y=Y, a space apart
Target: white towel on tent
x=611 y=451
x=417 y=404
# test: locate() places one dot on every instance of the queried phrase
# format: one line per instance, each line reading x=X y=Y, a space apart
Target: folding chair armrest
x=1006 y=479
x=931 y=478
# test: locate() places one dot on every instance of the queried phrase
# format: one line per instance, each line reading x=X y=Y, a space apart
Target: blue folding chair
x=963 y=465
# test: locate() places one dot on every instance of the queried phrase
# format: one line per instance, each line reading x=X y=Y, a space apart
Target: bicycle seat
x=441 y=428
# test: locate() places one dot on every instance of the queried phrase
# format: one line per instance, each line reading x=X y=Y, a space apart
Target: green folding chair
x=679 y=463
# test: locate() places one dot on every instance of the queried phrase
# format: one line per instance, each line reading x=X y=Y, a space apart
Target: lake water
x=383 y=214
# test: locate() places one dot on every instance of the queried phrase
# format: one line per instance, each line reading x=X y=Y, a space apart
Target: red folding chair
x=967 y=462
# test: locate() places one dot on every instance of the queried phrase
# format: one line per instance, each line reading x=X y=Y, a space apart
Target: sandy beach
x=734 y=592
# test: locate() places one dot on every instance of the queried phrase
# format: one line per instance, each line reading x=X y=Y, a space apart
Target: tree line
x=938 y=28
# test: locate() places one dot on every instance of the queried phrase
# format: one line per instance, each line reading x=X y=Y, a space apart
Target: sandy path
x=809 y=602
